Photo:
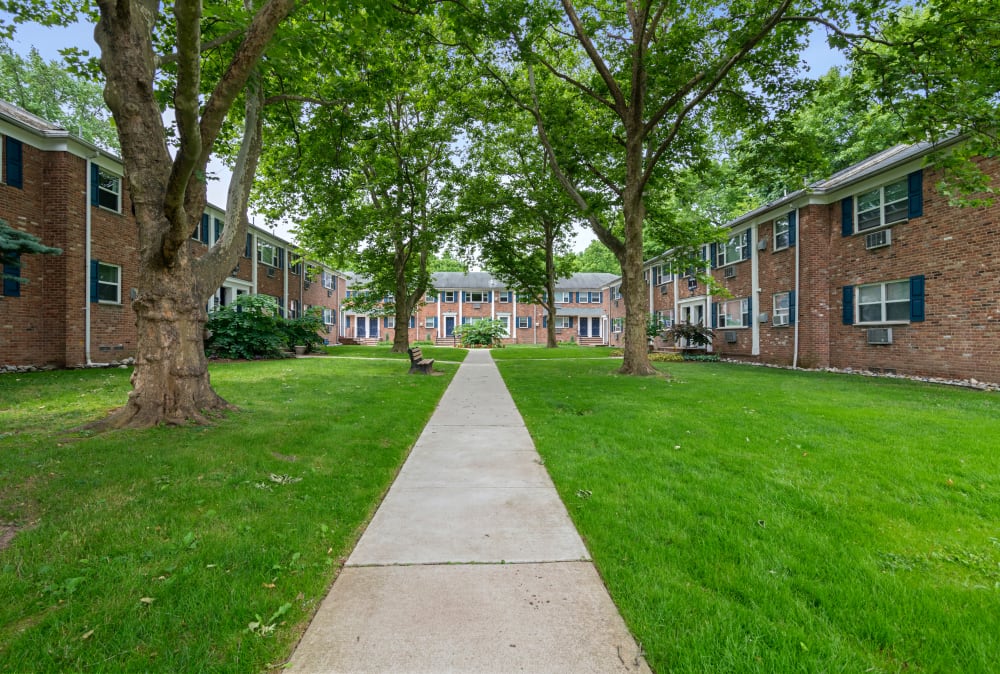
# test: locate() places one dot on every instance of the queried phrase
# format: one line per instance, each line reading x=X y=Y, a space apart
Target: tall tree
x=516 y=217
x=204 y=60
x=596 y=258
x=372 y=180
x=644 y=85
x=55 y=93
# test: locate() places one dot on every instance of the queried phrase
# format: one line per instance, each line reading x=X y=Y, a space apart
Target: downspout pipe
x=798 y=317
x=87 y=254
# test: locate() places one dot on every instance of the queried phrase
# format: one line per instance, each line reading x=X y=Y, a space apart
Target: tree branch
x=595 y=58
x=164 y=59
x=579 y=85
x=831 y=26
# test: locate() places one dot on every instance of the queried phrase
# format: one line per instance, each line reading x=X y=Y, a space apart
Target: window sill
x=109 y=210
x=858 y=232
x=778 y=250
x=108 y=303
x=881 y=324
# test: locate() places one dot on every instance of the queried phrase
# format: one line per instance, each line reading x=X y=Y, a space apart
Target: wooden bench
x=418 y=364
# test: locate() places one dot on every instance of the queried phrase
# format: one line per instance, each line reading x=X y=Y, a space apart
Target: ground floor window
x=524 y=322
x=563 y=322
x=328 y=317
x=617 y=324
x=884 y=302
x=109 y=286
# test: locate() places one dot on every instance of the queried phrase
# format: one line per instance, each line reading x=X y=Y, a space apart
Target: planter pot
x=301 y=350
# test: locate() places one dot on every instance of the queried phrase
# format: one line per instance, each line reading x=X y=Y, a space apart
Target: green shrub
x=617 y=353
x=486 y=333
x=701 y=357
x=250 y=328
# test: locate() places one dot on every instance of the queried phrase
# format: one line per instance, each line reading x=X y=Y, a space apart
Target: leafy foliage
x=248 y=328
x=49 y=90
x=597 y=258
x=698 y=335
x=14 y=242
x=488 y=333
x=303 y=330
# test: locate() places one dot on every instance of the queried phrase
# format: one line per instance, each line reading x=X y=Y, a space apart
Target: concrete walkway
x=471 y=563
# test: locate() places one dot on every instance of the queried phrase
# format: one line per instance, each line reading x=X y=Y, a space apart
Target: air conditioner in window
x=270 y=272
x=730 y=272
x=762 y=244
x=477 y=306
x=879 y=239
x=663 y=289
x=308 y=285
x=329 y=293
x=730 y=336
x=780 y=320
x=880 y=335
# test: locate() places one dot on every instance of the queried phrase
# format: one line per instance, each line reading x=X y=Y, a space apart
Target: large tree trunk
x=550 y=288
x=170 y=383
x=636 y=361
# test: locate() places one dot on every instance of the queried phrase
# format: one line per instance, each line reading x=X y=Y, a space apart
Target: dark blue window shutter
x=848 y=316
x=713 y=249
x=792 y=227
x=847 y=216
x=545 y=321
x=12 y=287
x=204 y=228
x=385 y=321
x=413 y=321
x=746 y=314
x=281 y=258
x=571 y=321
x=791 y=307
x=435 y=322
x=15 y=163
x=94 y=269
x=715 y=314
x=463 y=296
x=917 y=298
x=600 y=297
x=94 y=178
x=489 y=297
x=916 y=188
x=747 y=251
x=218 y=230
x=529 y=321
x=247 y=250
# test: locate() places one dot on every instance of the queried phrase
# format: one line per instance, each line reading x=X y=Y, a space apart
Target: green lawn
x=441 y=353
x=191 y=549
x=539 y=352
x=758 y=520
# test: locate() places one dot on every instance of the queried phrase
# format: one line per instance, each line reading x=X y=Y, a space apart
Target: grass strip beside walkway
x=758 y=520
x=196 y=548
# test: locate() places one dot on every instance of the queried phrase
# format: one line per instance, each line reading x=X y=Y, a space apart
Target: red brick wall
x=956 y=250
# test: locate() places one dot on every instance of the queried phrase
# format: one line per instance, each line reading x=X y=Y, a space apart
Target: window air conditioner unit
x=730 y=336
x=329 y=293
x=780 y=320
x=477 y=306
x=730 y=272
x=762 y=244
x=880 y=335
x=663 y=289
x=308 y=285
x=879 y=239
x=270 y=272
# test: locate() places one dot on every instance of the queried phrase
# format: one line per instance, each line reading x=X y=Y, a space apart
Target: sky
x=818 y=57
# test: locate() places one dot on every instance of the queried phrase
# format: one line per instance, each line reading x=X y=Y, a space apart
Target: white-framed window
x=505 y=319
x=390 y=321
x=616 y=293
x=735 y=249
x=293 y=309
x=781 y=233
x=523 y=322
x=506 y=296
x=882 y=206
x=109 y=283
x=477 y=296
x=430 y=298
x=109 y=190
x=781 y=308
x=562 y=322
x=617 y=324
x=596 y=297
x=561 y=297
x=327 y=279
x=733 y=313
x=328 y=316
x=449 y=296
x=665 y=318
x=267 y=253
x=884 y=302
x=429 y=322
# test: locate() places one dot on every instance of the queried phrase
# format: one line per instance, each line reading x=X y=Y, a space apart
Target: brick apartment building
x=75 y=308
x=459 y=298
x=869 y=269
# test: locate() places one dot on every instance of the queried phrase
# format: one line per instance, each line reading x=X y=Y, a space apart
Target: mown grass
x=539 y=352
x=197 y=548
x=757 y=520
x=442 y=353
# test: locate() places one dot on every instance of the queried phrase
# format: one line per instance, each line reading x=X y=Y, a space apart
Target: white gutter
x=755 y=289
x=86 y=259
x=798 y=318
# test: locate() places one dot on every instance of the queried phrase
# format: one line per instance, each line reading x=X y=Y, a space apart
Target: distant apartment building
x=75 y=308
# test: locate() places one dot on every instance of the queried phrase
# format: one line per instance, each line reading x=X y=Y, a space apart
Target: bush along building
x=75 y=308
x=459 y=298
x=871 y=269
